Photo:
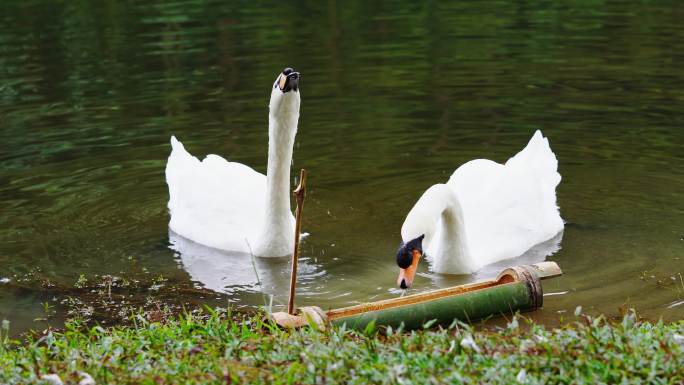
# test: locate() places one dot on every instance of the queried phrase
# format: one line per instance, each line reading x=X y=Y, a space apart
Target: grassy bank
x=223 y=348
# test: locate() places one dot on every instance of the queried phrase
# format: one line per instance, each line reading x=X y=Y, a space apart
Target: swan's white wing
x=214 y=202
x=509 y=208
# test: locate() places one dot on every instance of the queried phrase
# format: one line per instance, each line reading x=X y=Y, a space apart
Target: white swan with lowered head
x=229 y=206
x=485 y=213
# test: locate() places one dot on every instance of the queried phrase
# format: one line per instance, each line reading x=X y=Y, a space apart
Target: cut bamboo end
x=546 y=270
x=307 y=316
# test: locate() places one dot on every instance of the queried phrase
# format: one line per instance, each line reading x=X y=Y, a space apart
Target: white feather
x=487 y=211
x=214 y=202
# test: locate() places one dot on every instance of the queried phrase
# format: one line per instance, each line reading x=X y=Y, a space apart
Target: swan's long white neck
x=278 y=230
x=439 y=216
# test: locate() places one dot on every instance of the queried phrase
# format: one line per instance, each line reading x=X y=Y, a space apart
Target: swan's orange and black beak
x=405 y=279
x=408 y=257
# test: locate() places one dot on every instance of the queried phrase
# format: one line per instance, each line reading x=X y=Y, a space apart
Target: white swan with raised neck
x=229 y=206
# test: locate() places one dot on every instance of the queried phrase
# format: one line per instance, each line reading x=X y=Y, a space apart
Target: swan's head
x=287 y=81
x=408 y=256
x=285 y=92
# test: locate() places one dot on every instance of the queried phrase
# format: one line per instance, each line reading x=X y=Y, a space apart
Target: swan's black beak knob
x=289 y=80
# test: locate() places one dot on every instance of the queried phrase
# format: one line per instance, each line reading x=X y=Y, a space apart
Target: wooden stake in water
x=300 y=194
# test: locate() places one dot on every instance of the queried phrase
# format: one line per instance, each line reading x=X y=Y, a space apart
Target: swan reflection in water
x=233 y=273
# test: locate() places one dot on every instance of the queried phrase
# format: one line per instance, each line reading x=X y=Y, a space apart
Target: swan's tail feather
x=176 y=144
x=177 y=148
x=180 y=165
x=538 y=159
x=536 y=167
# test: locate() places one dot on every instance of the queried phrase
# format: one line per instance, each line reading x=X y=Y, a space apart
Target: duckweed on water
x=220 y=347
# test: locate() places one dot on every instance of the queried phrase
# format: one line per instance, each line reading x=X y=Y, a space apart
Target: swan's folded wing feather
x=509 y=208
x=214 y=202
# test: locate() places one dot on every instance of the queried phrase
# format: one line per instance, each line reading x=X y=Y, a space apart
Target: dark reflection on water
x=395 y=96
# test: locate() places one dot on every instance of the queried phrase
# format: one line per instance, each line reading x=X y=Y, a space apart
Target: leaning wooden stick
x=300 y=194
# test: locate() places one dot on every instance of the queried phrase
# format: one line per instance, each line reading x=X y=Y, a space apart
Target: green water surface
x=395 y=96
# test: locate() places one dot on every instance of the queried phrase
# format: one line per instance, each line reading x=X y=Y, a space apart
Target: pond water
x=395 y=96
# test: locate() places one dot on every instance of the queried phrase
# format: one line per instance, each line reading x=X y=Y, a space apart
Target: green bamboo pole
x=469 y=306
x=515 y=289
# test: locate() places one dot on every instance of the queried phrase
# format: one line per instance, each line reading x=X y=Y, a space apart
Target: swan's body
x=487 y=211
x=229 y=206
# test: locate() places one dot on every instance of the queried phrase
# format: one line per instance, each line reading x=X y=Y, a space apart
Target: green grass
x=222 y=348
